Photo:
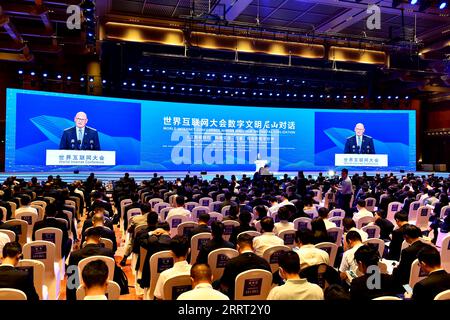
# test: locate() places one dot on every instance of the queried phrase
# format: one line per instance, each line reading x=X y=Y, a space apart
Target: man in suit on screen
x=359 y=143
x=80 y=137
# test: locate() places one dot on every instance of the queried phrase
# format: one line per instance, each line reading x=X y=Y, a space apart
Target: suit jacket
x=359 y=290
x=239 y=229
x=14 y=278
x=211 y=245
x=69 y=140
x=7 y=206
x=367 y=146
x=407 y=257
x=386 y=228
x=200 y=229
x=52 y=223
x=105 y=233
x=396 y=243
x=243 y=262
x=428 y=288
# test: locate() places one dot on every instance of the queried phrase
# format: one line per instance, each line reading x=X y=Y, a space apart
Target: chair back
x=63 y=221
x=370 y=203
x=112 y=291
x=12 y=294
x=44 y=251
x=215 y=206
x=197 y=242
x=329 y=197
x=205 y=201
x=30 y=218
x=197 y=211
x=272 y=254
x=373 y=231
x=258 y=225
x=217 y=259
x=159 y=262
x=288 y=237
x=174 y=221
x=330 y=248
x=337 y=213
x=40 y=211
x=191 y=205
x=393 y=207
x=5 y=213
x=335 y=234
x=160 y=205
x=337 y=221
x=154 y=201
x=445 y=211
x=388 y=298
x=184 y=228
x=220 y=197
x=175 y=286
x=162 y=215
x=423 y=217
x=364 y=221
x=52 y=235
x=13 y=206
x=225 y=210
x=20 y=228
x=41 y=203
x=214 y=216
x=228 y=228
x=317 y=195
x=108 y=260
x=133 y=212
x=444 y=295
x=445 y=253
x=107 y=243
x=376 y=243
x=251 y=233
x=253 y=284
x=302 y=223
x=38 y=269
x=413 y=207
x=312 y=213
x=416 y=274
x=10 y=234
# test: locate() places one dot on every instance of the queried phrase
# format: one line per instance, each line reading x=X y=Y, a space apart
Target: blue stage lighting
x=443 y=5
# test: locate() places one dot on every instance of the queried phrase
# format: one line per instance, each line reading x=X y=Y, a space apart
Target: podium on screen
x=80 y=158
x=361 y=160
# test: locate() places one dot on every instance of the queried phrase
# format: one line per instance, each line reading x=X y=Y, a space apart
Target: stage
x=172 y=175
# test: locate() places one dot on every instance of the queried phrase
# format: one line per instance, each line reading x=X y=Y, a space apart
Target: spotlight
x=124 y=83
x=304 y=96
x=153 y=86
x=362 y=97
x=321 y=96
x=337 y=97
x=345 y=97
x=407 y=97
x=190 y=89
x=164 y=71
x=278 y=94
x=413 y=2
x=164 y=87
x=311 y=96
x=260 y=93
x=148 y=70
x=201 y=90
x=171 y=88
x=443 y=5
x=133 y=84
x=69 y=78
x=379 y=97
x=20 y=72
x=91 y=79
x=287 y=94
x=59 y=76
x=331 y=173
x=396 y=97
x=82 y=79
x=33 y=73
x=389 y=97
x=354 y=97
x=130 y=69
x=209 y=90
x=45 y=75
x=104 y=81
x=295 y=94
x=141 y=70
x=144 y=85
x=271 y=94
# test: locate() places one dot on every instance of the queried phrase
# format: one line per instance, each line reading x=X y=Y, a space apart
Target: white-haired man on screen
x=359 y=143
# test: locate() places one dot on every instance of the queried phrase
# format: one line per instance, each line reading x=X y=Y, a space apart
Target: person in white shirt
x=284 y=224
x=179 y=247
x=268 y=238
x=362 y=211
x=95 y=280
x=350 y=225
x=201 y=277
x=276 y=206
x=323 y=213
x=179 y=210
x=273 y=205
x=295 y=288
x=348 y=268
x=308 y=253
x=25 y=205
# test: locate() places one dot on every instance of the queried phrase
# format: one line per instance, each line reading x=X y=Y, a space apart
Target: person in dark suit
x=412 y=236
x=244 y=219
x=105 y=232
x=50 y=221
x=93 y=247
x=217 y=242
x=80 y=137
x=203 y=220
x=438 y=279
x=99 y=201
x=366 y=257
x=386 y=227
x=13 y=278
x=88 y=222
x=246 y=260
x=401 y=220
x=359 y=143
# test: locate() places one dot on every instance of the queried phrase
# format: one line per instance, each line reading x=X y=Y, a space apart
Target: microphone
x=72 y=143
x=92 y=144
x=79 y=144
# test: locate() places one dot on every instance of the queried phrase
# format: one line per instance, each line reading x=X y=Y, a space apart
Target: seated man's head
x=25 y=200
x=352 y=238
x=203 y=218
x=201 y=273
x=267 y=224
x=12 y=253
x=99 y=210
x=429 y=259
x=283 y=213
x=412 y=233
x=50 y=210
x=152 y=218
x=179 y=247
x=93 y=235
x=179 y=201
x=323 y=213
x=304 y=237
x=98 y=220
x=245 y=218
x=361 y=204
x=244 y=243
x=365 y=257
x=95 y=278
x=401 y=217
x=289 y=263
x=217 y=229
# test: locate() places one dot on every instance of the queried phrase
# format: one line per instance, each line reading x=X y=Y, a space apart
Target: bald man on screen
x=80 y=137
x=359 y=143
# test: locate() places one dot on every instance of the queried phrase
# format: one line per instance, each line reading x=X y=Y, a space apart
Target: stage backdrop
x=167 y=136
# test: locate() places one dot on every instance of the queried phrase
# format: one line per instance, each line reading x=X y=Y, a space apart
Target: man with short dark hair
x=367 y=259
x=203 y=220
x=323 y=214
x=295 y=288
x=25 y=207
x=179 y=210
x=201 y=277
x=386 y=227
x=179 y=247
x=268 y=237
x=217 y=242
x=247 y=260
x=438 y=279
x=95 y=280
x=348 y=265
x=412 y=235
x=13 y=278
x=244 y=219
x=362 y=211
x=401 y=220
x=308 y=253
